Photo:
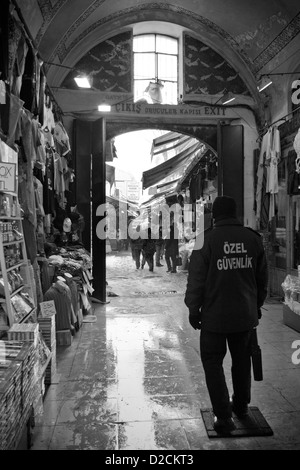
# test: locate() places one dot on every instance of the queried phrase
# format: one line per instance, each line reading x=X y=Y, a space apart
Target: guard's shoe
x=224 y=426
x=239 y=411
x=159 y=265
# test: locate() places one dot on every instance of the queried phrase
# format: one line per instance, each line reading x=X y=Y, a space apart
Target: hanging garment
x=19 y=66
x=15 y=34
x=45 y=278
x=261 y=173
x=15 y=111
x=267 y=177
x=26 y=191
x=48 y=184
x=27 y=134
x=262 y=196
x=59 y=181
x=61 y=136
x=74 y=295
x=273 y=157
x=27 y=92
x=41 y=152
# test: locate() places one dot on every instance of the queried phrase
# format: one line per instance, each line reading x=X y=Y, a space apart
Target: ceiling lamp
x=264 y=83
x=104 y=108
x=83 y=81
x=226 y=98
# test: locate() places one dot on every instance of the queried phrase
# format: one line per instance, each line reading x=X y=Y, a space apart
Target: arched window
x=155 y=68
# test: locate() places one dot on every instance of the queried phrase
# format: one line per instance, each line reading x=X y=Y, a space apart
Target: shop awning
x=165 y=169
x=169 y=141
x=165 y=191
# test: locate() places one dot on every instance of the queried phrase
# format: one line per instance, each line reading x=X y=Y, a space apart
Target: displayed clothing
x=26 y=192
x=44 y=270
x=62 y=138
x=72 y=284
x=48 y=185
x=59 y=181
x=41 y=151
x=267 y=177
x=15 y=111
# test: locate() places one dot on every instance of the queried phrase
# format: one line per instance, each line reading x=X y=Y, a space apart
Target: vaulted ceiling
x=255 y=36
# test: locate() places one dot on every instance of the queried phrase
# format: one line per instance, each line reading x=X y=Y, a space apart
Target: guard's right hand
x=195 y=321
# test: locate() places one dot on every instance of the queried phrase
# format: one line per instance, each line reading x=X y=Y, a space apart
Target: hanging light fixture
x=83 y=81
x=227 y=97
x=104 y=108
x=265 y=80
x=264 y=83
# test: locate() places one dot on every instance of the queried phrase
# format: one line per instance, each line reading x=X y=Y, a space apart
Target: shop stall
x=45 y=271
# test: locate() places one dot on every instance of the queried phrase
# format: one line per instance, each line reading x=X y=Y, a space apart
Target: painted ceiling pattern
x=206 y=72
x=50 y=8
x=279 y=43
x=108 y=64
x=62 y=51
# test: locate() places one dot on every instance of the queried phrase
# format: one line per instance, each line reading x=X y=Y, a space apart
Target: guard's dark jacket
x=227 y=279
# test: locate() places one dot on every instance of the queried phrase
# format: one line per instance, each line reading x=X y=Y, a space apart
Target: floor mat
x=253 y=425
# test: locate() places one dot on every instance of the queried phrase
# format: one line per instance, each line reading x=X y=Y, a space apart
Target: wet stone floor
x=132 y=379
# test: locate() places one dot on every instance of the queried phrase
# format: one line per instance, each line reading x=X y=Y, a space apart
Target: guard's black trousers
x=213 y=347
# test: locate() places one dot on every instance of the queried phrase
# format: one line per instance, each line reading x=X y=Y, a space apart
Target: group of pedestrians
x=151 y=250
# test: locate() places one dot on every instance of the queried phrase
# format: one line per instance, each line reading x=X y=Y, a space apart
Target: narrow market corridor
x=132 y=379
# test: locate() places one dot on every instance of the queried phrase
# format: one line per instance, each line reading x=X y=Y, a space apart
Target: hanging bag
x=178 y=261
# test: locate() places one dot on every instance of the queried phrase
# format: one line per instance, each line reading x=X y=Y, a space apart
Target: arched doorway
x=90 y=138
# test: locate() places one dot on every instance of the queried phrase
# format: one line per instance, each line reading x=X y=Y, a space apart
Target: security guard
x=226 y=287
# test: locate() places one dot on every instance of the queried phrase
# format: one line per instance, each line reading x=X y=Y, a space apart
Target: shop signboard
x=47 y=308
x=133 y=190
x=8 y=177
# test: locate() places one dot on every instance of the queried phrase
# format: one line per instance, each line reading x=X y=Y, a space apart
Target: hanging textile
x=261 y=199
x=274 y=155
x=267 y=177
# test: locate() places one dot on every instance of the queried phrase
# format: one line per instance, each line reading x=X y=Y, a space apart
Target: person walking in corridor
x=172 y=249
x=226 y=287
x=148 y=251
x=136 y=250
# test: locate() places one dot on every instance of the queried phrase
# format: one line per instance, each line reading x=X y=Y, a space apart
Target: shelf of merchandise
x=4 y=270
